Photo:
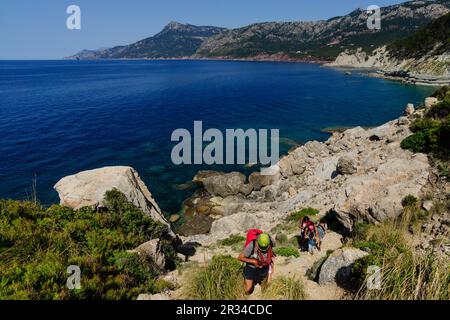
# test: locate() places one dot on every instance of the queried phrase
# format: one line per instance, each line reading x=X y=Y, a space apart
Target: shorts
x=257 y=275
x=311 y=245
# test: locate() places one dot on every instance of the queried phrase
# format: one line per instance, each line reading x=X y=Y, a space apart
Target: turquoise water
x=61 y=117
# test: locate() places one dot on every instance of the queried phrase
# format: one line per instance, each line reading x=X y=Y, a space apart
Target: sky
x=36 y=29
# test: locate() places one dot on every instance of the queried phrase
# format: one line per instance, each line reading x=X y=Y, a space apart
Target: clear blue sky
x=36 y=29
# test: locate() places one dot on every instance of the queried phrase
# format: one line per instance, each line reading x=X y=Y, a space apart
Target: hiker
x=258 y=256
x=322 y=228
x=309 y=236
x=303 y=243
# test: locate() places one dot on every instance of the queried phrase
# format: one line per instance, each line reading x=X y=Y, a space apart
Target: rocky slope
x=358 y=175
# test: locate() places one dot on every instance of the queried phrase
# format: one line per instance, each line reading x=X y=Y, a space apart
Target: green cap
x=263 y=241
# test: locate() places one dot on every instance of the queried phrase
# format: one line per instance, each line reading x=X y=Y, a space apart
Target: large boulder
x=223 y=184
x=377 y=194
x=152 y=250
x=197 y=224
x=346 y=165
x=337 y=267
x=88 y=188
x=258 y=180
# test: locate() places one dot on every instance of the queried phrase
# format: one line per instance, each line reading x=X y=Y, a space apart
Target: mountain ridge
x=322 y=40
x=174 y=40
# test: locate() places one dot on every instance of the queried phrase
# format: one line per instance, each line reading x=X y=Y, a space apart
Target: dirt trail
x=284 y=266
x=297 y=267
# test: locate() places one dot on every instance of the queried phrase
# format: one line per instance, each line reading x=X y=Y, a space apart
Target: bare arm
x=317 y=236
x=243 y=258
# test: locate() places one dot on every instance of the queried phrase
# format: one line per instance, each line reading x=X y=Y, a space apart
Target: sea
x=58 y=118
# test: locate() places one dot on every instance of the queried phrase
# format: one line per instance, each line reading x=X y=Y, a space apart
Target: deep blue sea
x=61 y=117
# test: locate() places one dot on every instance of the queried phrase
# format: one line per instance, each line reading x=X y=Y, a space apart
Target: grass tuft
x=220 y=279
x=284 y=288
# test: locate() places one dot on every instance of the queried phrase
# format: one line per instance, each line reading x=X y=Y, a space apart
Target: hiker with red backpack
x=258 y=256
x=309 y=235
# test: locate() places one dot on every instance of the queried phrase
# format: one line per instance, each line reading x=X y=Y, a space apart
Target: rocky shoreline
x=356 y=175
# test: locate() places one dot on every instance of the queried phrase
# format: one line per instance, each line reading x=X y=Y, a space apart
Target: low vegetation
x=232 y=240
x=37 y=245
x=220 y=279
x=431 y=133
x=434 y=36
x=299 y=215
x=284 y=288
x=406 y=274
x=286 y=252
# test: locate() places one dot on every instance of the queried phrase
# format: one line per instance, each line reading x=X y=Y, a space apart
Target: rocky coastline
x=430 y=70
x=357 y=175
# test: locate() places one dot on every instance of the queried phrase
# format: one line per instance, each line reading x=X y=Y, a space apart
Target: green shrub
x=409 y=201
x=37 y=245
x=221 y=279
x=431 y=133
x=284 y=288
x=299 y=215
x=287 y=252
x=441 y=93
x=232 y=240
x=440 y=110
x=422 y=141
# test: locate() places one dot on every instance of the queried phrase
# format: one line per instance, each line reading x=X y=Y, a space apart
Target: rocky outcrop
x=223 y=184
x=358 y=175
x=88 y=188
x=338 y=266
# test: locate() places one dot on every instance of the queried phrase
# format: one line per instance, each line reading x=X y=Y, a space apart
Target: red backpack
x=252 y=235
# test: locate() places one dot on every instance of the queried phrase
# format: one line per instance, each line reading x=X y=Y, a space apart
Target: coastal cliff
x=422 y=58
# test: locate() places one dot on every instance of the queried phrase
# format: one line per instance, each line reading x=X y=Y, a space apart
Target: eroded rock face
x=337 y=268
x=88 y=188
